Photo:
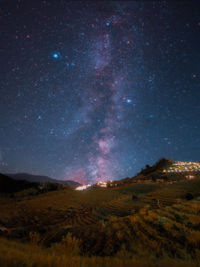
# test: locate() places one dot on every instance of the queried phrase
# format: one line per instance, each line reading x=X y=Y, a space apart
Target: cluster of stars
x=95 y=91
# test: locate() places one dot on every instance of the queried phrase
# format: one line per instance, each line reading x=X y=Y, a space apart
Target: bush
x=19 y=233
x=34 y=238
x=48 y=186
x=189 y=196
x=134 y=197
x=179 y=218
x=69 y=246
x=161 y=222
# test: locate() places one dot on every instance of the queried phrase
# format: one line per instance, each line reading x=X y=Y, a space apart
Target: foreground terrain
x=143 y=224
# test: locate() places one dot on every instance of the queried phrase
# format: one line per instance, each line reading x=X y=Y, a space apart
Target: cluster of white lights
x=181 y=163
x=82 y=187
x=102 y=184
x=181 y=166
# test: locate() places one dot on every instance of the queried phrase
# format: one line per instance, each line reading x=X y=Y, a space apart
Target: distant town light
x=82 y=187
x=183 y=166
x=190 y=176
x=102 y=184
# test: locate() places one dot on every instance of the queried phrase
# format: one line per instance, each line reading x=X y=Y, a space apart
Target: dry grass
x=15 y=254
x=159 y=228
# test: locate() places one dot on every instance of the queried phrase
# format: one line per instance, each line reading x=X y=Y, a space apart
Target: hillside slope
x=41 y=179
x=145 y=222
x=9 y=185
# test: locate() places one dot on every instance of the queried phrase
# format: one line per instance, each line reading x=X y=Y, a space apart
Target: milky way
x=107 y=96
x=95 y=91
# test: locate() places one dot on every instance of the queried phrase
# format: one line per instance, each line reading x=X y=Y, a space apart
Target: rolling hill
x=41 y=179
x=164 y=170
x=135 y=222
x=9 y=185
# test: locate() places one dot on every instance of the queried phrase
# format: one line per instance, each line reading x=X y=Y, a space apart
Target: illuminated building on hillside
x=181 y=166
x=102 y=184
x=82 y=187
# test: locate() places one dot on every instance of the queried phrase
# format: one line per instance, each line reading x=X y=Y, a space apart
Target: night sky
x=96 y=90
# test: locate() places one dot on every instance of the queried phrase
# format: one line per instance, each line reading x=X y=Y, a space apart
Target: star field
x=93 y=91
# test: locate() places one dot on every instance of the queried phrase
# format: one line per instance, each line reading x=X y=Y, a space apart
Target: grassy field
x=128 y=225
x=16 y=254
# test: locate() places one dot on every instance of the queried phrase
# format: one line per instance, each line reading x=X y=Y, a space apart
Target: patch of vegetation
x=128 y=225
x=138 y=189
x=189 y=196
x=18 y=254
x=9 y=185
x=158 y=166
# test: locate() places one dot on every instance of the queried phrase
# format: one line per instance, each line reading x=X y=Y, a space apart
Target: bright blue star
x=56 y=55
x=107 y=24
x=128 y=101
x=151 y=116
x=39 y=117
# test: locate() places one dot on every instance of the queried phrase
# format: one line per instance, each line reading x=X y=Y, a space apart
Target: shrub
x=161 y=222
x=19 y=233
x=179 y=218
x=69 y=246
x=189 y=196
x=134 y=197
x=34 y=238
